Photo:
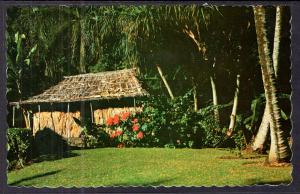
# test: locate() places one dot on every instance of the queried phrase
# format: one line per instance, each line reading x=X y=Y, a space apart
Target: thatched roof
x=92 y=86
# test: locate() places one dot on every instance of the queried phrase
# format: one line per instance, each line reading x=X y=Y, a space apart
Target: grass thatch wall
x=63 y=123
x=60 y=122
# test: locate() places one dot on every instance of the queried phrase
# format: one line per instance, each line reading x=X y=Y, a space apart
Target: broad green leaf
x=283 y=115
x=27 y=61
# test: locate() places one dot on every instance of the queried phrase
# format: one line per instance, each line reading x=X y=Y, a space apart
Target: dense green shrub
x=166 y=123
x=20 y=143
x=173 y=123
x=176 y=124
x=93 y=135
x=163 y=123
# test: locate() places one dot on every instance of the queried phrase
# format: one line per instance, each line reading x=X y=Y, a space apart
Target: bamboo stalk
x=165 y=81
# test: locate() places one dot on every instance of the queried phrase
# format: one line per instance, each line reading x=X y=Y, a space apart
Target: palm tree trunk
x=279 y=145
x=165 y=81
x=215 y=98
x=82 y=49
x=261 y=136
x=277 y=36
x=195 y=99
x=234 y=107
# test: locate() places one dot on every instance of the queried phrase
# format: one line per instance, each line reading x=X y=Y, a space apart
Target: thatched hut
x=94 y=95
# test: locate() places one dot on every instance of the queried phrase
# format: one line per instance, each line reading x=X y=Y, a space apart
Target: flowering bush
x=126 y=130
x=166 y=123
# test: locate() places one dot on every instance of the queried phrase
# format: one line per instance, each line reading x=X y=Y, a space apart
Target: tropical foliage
x=20 y=147
x=201 y=51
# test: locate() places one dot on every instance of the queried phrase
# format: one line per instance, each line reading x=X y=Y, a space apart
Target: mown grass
x=150 y=166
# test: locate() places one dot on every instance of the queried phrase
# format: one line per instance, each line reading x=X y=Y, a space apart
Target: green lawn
x=150 y=166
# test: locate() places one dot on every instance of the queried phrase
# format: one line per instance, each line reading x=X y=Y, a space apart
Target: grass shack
x=94 y=96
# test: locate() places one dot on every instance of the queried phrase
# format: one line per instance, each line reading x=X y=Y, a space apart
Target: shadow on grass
x=51 y=146
x=52 y=157
x=159 y=182
x=264 y=182
x=34 y=177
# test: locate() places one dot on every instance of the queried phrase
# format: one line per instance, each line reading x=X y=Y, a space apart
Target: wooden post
x=165 y=81
x=92 y=112
x=13 y=121
x=28 y=117
x=39 y=107
x=25 y=117
x=68 y=117
x=134 y=103
x=53 y=124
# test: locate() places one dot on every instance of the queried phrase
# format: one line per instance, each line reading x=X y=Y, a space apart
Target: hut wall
x=62 y=122
x=59 y=122
x=101 y=115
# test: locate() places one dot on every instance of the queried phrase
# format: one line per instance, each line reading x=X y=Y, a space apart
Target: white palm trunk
x=261 y=136
x=279 y=145
x=165 y=81
x=263 y=130
x=234 y=107
x=215 y=99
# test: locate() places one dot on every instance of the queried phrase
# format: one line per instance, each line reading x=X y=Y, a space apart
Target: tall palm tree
x=279 y=150
x=262 y=133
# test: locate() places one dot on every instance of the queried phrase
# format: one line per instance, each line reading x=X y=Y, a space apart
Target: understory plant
x=163 y=122
x=20 y=141
x=92 y=135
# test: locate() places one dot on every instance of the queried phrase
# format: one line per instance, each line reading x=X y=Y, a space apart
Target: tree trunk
x=260 y=138
x=279 y=145
x=215 y=99
x=277 y=36
x=25 y=118
x=234 y=107
x=165 y=81
x=82 y=49
x=195 y=99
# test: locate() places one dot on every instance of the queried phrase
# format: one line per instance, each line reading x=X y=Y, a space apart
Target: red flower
x=119 y=132
x=125 y=115
x=135 y=127
x=113 y=135
x=140 y=135
x=135 y=120
x=109 y=121
x=116 y=119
